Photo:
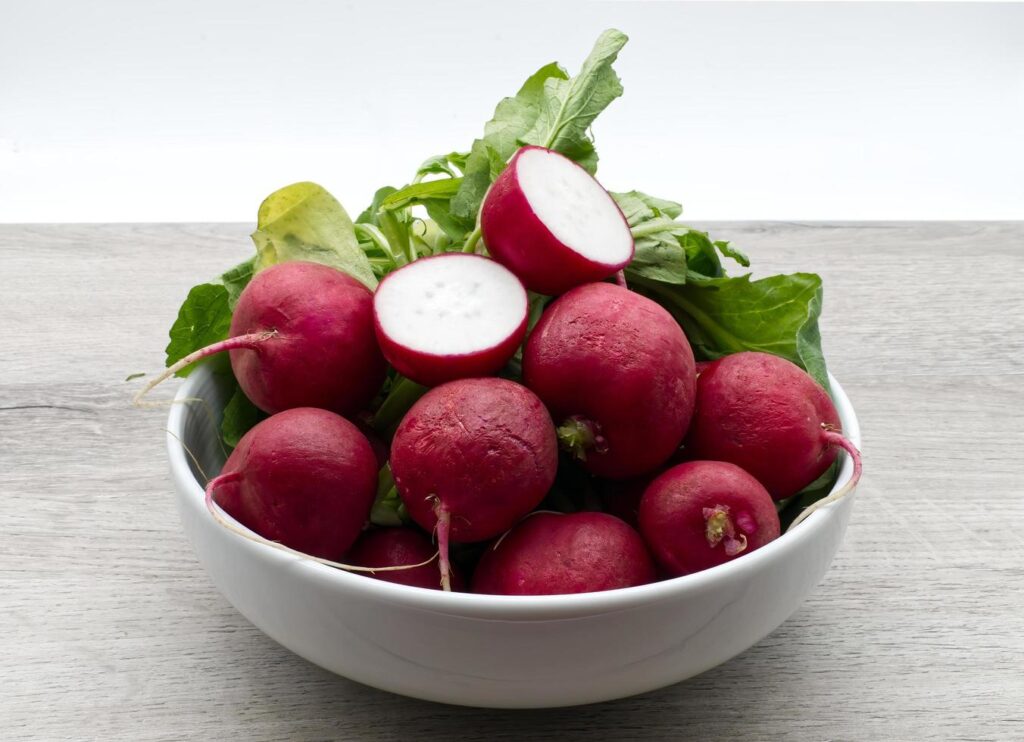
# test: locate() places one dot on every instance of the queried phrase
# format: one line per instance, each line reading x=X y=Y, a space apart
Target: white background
x=195 y=110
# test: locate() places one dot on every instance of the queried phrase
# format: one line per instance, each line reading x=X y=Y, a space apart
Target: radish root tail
x=214 y=509
x=835 y=439
x=444 y=525
x=251 y=341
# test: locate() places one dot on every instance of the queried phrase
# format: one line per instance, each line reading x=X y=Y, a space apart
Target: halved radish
x=548 y=221
x=449 y=317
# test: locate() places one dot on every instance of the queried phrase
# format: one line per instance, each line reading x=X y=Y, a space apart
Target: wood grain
x=109 y=629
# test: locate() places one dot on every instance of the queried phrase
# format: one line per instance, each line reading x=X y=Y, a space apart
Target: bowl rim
x=510 y=607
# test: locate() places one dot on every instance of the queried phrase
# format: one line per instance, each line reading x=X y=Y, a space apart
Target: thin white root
x=191 y=455
x=215 y=512
x=210 y=418
x=835 y=439
x=241 y=341
x=496 y=544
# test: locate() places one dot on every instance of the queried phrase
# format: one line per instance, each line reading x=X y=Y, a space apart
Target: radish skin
x=768 y=416
x=304 y=477
x=449 y=317
x=301 y=336
x=557 y=554
x=325 y=353
x=548 y=221
x=617 y=374
x=471 y=458
x=701 y=514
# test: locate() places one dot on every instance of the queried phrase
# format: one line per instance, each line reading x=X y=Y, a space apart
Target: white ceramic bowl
x=499 y=651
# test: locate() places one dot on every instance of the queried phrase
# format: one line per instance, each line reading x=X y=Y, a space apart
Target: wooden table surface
x=110 y=630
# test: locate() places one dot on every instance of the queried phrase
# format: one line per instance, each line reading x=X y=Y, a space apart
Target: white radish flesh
x=578 y=211
x=450 y=316
x=548 y=221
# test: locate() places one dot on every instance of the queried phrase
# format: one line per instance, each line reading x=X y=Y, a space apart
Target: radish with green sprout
x=471 y=458
x=768 y=416
x=301 y=336
x=617 y=374
x=304 y=477
x=557 y=554
x=552 y=224
x=449 y=317
x=704 y=513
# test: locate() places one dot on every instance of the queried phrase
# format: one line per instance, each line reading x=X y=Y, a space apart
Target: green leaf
x=731 y=252
x=667 y=250
x=369 y=214
x=237 y=279
x=570 y=106
x=701 y=256
x=388 y=508
x=395 y=225
x=204 y=318
x=455 y=228
x=401 y=396
x=536 y=304
x=549 y=109
x=442 y=165
x=421 y=193
x=239 y=416
x=638 y=207
x=659 y=254
x=515 y=116
x=305 y=222
x=480 y=173
x=778 y=315
x=659 y=257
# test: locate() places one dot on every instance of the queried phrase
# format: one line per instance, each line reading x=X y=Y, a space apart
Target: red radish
x=617 y=373
x=556 y=554
x=704 y=513
x=765 y=414
x=701 y=365
x=301 y=336
x=394 y=547
x=450 y=317
x=471 y=458
x=304 y=477
x=548 y=221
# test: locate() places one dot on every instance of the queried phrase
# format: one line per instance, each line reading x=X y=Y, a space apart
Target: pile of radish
x=504 y=379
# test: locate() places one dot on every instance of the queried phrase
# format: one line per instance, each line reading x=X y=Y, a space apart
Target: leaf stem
x=404 y=392
x=374 y=235
x=472 y=239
